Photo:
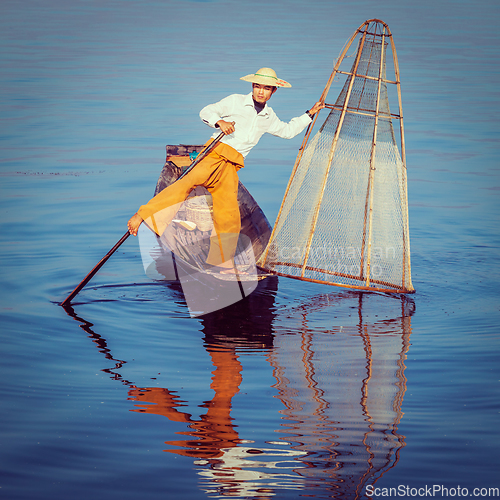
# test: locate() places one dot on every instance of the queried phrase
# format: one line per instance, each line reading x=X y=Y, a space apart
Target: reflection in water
x=214 y=431
x=341 y=389
x=101 y=344
x=342 y=392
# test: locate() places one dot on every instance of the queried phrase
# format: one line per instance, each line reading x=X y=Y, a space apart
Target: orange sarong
x=217 y=172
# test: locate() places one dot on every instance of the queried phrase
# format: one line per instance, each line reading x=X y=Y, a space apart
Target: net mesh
x=344 y=217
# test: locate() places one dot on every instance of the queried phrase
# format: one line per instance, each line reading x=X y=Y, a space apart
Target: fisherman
x=243 y=119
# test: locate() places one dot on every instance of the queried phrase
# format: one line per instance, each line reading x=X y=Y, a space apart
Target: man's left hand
x=319 y=105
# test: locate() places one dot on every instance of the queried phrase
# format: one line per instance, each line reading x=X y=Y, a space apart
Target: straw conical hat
x=265 y=76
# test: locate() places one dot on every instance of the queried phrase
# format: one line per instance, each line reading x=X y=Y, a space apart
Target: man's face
x=262 y=93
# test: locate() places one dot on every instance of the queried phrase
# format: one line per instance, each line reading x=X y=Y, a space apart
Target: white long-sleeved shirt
x=250 y=126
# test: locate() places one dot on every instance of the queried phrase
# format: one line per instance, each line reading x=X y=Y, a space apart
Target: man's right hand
x=226 y=127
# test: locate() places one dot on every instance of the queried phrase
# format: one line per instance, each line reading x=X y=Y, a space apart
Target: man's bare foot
x=134 y=223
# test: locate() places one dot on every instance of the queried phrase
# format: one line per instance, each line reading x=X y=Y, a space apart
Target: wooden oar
x=98 y=266
x=92 y=273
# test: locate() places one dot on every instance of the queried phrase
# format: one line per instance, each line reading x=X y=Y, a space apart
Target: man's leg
x=227 y=222
x=160 y=210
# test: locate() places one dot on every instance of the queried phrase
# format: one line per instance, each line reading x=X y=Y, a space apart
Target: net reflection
x=342 y=390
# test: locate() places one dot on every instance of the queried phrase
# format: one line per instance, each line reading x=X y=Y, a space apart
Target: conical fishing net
x=344 y=216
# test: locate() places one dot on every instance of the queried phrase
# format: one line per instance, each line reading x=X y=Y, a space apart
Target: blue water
x=301 y=390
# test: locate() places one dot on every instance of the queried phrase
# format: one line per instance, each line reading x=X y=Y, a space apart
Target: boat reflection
x=341 y=388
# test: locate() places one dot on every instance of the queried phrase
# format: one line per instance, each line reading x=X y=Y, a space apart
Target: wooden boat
x=180 y=253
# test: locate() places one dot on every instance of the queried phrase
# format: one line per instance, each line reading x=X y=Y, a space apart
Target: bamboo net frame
x=347 y=194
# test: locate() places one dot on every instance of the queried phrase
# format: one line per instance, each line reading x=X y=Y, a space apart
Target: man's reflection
x=212 y=431
x=214 y=441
